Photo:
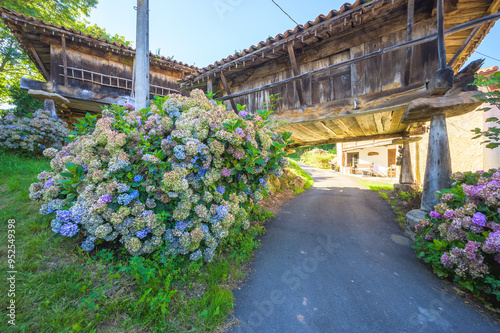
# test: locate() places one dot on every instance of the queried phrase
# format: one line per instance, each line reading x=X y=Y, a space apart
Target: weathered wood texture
x=438 y=168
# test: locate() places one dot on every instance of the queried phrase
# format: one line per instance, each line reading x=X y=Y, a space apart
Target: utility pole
x=142 y=56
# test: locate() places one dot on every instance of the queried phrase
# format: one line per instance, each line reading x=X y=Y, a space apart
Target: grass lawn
x=61 y=288
x=297 y=171
x=374 y=186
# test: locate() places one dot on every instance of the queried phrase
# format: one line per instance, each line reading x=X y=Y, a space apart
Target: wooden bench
x=364 y=168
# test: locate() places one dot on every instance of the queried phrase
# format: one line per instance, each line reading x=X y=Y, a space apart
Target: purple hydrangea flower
x=226 y=172
x=221 y=212
x=435 y=215
x=243 y=114
x=479 y=219
x=239 y=131
x=446 y=261
x=449 y=214
x=69 y=230
x=129 y=106
x=107 y=198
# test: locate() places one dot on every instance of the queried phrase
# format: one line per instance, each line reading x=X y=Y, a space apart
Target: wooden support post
x=39 y=61
x=440 y=29
x=406 y=176
x=133 y=80
x=443 y=80
x=65 y=61
x=142 y=56
x=295 y=71
x=409 y=37
x=438 y=166
x=228 y=91
x=209 y=85
x=50 y=106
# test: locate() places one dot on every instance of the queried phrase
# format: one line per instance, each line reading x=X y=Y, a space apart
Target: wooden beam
x=351 y=139
x=493 y=8
x=378 y=122
x=295 y=71
x=414 y=42
x=328 y=129
x=65 y=60
x=440 y=33
x=409 y=37
x=39 y=62
x=228 y=91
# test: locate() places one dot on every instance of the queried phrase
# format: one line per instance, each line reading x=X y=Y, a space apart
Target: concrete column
x=49 y=105
x=142 y=56
x=438 y=167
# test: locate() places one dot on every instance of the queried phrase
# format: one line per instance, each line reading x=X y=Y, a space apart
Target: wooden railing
x=112 y=81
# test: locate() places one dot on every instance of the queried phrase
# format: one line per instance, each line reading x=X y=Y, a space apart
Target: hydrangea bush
x=32 y=134
x=461 y=236
x=179 y=175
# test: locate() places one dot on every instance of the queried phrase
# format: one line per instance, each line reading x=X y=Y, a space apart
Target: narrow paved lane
x=334 y=260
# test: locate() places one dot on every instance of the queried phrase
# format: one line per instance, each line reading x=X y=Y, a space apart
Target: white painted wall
x=381 y=159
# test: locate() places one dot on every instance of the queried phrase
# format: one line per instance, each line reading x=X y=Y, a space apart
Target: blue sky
x=200 y=32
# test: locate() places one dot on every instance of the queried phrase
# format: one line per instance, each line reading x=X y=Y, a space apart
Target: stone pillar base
x=406 y=187
x=411 y=220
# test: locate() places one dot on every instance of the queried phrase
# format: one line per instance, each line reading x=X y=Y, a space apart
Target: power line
x=486 y=56
x=285 y=12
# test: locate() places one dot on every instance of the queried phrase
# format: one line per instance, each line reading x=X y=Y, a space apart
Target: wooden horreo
x=371 y=70
x=87 y=71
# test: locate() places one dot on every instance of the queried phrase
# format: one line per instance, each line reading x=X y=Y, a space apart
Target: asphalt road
x=334 y=260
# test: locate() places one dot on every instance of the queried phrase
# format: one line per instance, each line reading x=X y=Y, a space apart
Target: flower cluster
x=463 y=230
x=32 y=134
x=180 y=175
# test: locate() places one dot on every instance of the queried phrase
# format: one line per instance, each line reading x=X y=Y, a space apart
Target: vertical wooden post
x=209 y=85
x=142 y=56
x=295 y=71
x=438 y=166
x=65 y=61
x=440 y=28
x=406 y=176
x=133 y=79
x=409 y=37
x=228 y=91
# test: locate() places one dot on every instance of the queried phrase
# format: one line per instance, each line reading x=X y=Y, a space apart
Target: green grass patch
x=61 y=288
x=299 y=172
x=374 y=186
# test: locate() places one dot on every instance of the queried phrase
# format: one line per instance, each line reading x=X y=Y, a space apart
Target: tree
x=14 y=63
x=491 y=135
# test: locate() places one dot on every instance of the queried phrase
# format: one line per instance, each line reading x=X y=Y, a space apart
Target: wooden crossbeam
x=351 y=139
x=39 y=61
x=228 y=91
x=295 y=71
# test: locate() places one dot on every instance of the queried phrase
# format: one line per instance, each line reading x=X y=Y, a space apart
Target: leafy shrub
x=182 y=174
x=32 y=134
x=317 y=157
x=460 y=238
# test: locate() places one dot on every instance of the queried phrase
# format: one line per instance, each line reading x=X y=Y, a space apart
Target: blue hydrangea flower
x=181 y=225
x=221 y=189
x=88 y=244
x=221 y=212
x=195 y=256
x=138 y=178
x=69 y=230
x=135 y=194
x=143 y=233
x=63 y=216
x=179 y=152
x=56 y=225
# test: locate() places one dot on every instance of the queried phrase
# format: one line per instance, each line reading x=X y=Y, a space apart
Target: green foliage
x=71 y=291
x=460 y=239
x=84 y=126
x=318 y=158
x=299 y=172
x=492 y=134
x=25 y=104
x=14 y=63
x=374 y=186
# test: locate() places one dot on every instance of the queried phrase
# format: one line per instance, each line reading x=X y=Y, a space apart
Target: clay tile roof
x=488 y=70
x=15 y=16
x=321 y=18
